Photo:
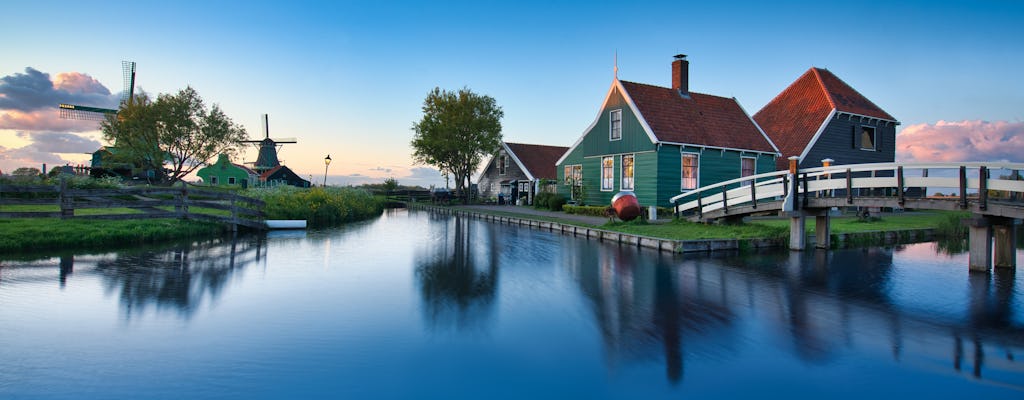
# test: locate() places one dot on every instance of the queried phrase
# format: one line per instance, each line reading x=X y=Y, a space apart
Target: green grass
x=889 y=222
x=27 y=235
x=320 y=207
x=685 y=230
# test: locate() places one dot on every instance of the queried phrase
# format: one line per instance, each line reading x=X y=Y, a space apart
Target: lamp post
x=327 y=163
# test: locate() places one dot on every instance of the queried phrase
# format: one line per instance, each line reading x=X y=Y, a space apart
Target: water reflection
x=826 y=303
x=177 y=278
x=457 y=272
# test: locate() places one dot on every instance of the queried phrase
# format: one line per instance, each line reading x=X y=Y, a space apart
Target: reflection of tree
x=179 y=278
x=646 y=307
x=455 y=285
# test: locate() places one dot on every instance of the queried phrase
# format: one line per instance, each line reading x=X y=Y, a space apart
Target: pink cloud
x=79 y=83
x=961 y=141
x=43 y=120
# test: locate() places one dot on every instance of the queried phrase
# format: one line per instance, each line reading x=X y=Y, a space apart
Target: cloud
x=381 y=169
x=29 y=101
x=58 y=142
x=962 y=141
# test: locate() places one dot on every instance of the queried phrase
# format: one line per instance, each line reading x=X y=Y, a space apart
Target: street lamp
x=327 y=163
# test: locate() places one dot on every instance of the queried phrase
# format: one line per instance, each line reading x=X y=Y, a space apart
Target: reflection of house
x=226 y=173
x=819 y=116
x=282 y=175
x=659 y=141
x=519 y=171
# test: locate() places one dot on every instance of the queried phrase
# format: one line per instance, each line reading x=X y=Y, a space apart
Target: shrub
x=556 y=203
x=320 y=207
x=593 y=211
x=543 y=200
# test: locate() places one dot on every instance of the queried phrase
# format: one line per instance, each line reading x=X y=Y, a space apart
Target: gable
x=537 y=161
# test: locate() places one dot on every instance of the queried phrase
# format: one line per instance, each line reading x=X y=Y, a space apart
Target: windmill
x=267 y=158
x=73 y=111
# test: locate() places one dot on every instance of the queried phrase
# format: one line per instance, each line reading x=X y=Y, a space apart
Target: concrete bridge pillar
x=823 y=231
x=981 y=232
x=797 y=232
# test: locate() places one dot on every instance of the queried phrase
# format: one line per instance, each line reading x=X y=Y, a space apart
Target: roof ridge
x=668 y=88
x=821 y=85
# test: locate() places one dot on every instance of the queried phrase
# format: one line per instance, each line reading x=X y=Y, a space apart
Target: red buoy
x=626 y=205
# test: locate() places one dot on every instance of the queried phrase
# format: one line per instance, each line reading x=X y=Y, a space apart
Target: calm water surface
x=415 y=305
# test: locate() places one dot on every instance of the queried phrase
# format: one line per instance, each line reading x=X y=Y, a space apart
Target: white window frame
x=631 y=179
x=607 y=173
x=613 y=133
x=696 y=168
x=874 y=138
x=753 y=162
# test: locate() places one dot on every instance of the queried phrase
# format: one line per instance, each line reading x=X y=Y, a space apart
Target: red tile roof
x=539 y=160
x=702 y=119
x=793 y=117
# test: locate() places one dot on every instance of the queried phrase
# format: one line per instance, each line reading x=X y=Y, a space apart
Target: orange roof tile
x=539 y=160
x=701 y=119
x=793 y=117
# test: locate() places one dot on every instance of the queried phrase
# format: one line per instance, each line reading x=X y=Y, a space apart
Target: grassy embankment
x=321 y=207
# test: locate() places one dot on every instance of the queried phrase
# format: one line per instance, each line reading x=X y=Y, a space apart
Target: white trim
x=611 y=188
x=683 y=154
x=862 y=117
x=611 y=114
x=765 y=135
x=522 y=167
x=817 y=135
x=622 y=166
x=704 y=147
x=616 y=84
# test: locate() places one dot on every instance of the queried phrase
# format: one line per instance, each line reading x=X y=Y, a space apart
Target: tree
x=176 y=129
x=457 y=130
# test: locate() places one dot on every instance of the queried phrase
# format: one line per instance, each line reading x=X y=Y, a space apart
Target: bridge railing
x=962 y=180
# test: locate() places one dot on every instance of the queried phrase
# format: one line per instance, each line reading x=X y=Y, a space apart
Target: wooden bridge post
x=797 y=232
x=823 y=230
x=67 y=203
x=1004 y=231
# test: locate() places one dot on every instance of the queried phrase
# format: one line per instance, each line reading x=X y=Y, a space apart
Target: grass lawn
x=25 y=235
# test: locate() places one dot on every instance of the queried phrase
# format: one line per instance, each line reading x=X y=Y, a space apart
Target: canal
x=420 y=305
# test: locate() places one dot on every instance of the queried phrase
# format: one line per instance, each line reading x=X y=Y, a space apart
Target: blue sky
x=349 y=78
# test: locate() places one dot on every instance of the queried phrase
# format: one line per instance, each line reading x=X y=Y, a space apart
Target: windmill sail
x=87 y=113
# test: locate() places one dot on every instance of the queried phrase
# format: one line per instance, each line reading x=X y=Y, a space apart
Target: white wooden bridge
x=992 y=192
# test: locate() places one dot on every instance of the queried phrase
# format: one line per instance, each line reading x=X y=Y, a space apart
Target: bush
x=593 y=211
x=320 y=207
x=543 y=200
x=556 y=203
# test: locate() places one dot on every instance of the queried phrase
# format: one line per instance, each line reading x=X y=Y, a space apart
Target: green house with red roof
x=659 y=142
x=821 y=117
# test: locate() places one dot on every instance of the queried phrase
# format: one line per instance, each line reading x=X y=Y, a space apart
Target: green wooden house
x=659 y=142
x=226 y=173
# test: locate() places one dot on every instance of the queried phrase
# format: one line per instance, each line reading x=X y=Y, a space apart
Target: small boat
x=286 y=223
x=626 y=205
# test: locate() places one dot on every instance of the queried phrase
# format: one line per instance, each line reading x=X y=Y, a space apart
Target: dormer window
x=615 y=126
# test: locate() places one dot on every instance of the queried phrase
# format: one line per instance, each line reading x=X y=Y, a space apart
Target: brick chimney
x=681 y=75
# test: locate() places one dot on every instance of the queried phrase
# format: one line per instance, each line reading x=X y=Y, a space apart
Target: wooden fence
x=142 y=202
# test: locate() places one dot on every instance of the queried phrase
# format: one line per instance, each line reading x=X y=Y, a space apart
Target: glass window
x=615 y=131
x=231 y=180
x=502 y=164
x=747 y=168
x=867 y=138
x=567 y=175
x=691 y=165
x=627 y=172
x=607 y=173
x=577 y=175
x=213 y=180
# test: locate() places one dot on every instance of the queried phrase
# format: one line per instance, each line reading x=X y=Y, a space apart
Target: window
x=213 y=180
x=627 y=172
x=577 y=175
x=231 y=180
x=867 y=138
x=748 y=167
x=615 y=127
x=691 y=170
x=607 y=173
x=567 y=174
x=502 y=164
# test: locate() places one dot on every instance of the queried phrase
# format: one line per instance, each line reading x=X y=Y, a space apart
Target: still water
x=418 y=305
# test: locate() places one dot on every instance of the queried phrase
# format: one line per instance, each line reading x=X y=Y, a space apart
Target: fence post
x=899 y=185
x=963 y=187
x=182 y=207
x=67 y=208
x=849 y=186
x=234 y=213
x=983 y=188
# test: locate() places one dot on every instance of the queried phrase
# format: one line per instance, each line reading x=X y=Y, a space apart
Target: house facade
x=821 y=117
x=659 y=142
x=517 y=172
x=282 y=175
x=226 y=173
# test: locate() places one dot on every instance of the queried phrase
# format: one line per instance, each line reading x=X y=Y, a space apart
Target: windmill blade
x=128 y=70
x=84 y=113
x=285 y=140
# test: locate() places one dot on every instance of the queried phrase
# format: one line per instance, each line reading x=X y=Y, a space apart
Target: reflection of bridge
x=995 y=201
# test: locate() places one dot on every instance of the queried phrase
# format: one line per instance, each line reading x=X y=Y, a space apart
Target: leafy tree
x=177 y=129
x=26 y=172
x=457 y=130
x=390 y=185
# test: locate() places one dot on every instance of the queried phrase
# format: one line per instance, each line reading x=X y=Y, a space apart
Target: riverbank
x=41 y=234
x=684 y=237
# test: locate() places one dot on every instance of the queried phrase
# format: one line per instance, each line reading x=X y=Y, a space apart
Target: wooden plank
x=29 y=189
x=30 y=214
x=28 y=202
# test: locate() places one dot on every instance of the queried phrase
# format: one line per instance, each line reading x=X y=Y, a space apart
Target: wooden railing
x=969 y=185
x=141 y=202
